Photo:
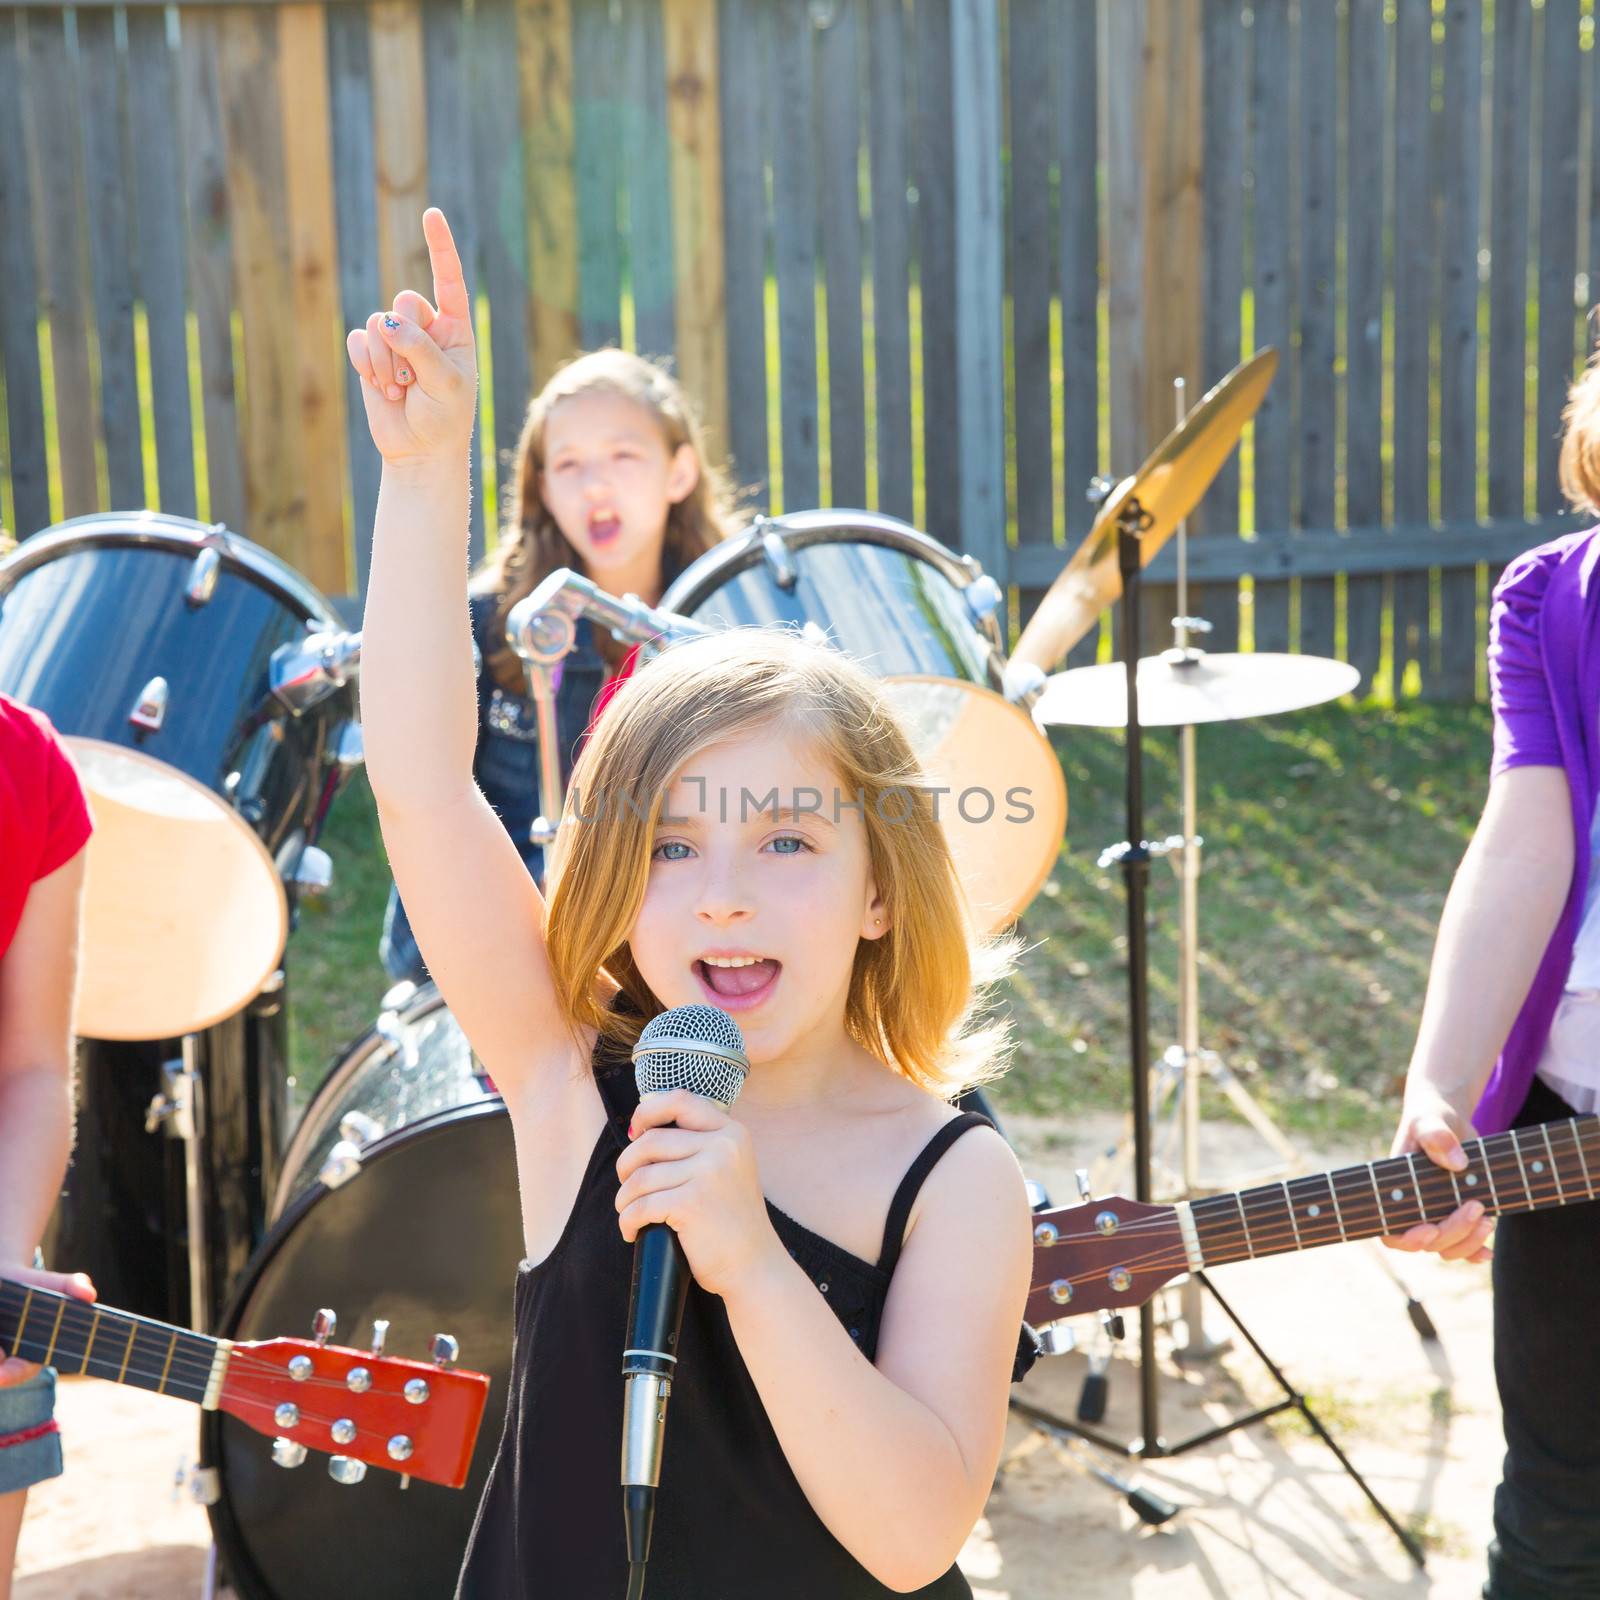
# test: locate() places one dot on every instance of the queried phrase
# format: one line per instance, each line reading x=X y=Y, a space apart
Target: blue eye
x=659 y=853
x=790 y=838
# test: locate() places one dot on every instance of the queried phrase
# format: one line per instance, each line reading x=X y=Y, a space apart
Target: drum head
x=904 y=607
x=184 y=914
x=428 y=1234
x=1004 y=808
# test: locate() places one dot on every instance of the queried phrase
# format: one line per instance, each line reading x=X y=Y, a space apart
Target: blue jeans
x=23 y=1408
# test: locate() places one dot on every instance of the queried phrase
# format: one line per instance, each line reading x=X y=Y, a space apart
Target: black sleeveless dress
x=731 y=1521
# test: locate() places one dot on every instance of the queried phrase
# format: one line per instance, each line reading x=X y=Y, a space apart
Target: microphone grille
x=696 y=1047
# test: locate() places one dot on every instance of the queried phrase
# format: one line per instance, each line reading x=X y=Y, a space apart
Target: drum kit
x=207 y=693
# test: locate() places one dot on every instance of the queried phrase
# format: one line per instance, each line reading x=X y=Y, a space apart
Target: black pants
x=1547 y=1367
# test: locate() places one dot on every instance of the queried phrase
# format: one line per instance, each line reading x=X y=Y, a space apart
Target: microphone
x=698 y=1048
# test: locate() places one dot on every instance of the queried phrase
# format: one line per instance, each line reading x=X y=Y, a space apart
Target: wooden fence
x=943 y=257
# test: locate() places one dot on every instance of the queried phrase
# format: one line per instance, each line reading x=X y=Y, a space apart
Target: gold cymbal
x=1167 y=488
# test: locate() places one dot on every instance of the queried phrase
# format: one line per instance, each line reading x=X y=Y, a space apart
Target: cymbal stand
x=1133 y=856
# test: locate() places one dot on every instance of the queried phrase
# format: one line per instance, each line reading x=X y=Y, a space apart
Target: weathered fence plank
x=1076 y=54
x=934 y=175
x=694 y=131
x=1508 y=261
x=1413 y=282
x=355 y=195
x=51 y=110
x=980 y=376
x=890 y=228
x=1318 y=316
x=646 y=163
x=1366 y=187
x=273 y=433
x=162 y=274
x=596 y=121
x=319 y=347
x=105 y=147
x=1222 y=267
x=743 y=74
x=550 y=196
x=1558 y=320
x=1460 y=136
x=500 y=228
x=450 y=183
x=19 y=329
x=208 y=209
x=838 y=62
x=1273 y=277
x=794 y=250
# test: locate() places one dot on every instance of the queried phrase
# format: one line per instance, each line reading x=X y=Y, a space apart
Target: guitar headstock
x=364 y=1408
x=1102 y=1256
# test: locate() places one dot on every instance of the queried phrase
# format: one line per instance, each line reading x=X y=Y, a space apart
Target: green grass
x=335 y=977
x=1331 y=837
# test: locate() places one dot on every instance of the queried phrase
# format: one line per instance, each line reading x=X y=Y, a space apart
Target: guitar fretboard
x=75 y=1336
x=1528 y=1169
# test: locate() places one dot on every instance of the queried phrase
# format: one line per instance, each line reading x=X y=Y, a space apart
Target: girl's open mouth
x=604 y=527
x=738 y=988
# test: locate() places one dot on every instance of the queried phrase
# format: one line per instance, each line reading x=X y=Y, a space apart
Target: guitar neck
x=1528 y=1169
x=77 y=1336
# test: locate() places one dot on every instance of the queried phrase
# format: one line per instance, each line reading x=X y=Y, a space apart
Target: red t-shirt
x=44 y=818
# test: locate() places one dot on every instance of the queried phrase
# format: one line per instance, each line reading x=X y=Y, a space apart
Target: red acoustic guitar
x=1112 y=1253
x=366 y=1409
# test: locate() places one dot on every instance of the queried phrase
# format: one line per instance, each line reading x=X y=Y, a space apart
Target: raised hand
x=418 y=362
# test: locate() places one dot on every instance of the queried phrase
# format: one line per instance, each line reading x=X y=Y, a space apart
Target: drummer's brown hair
x=1580 y=444
x=532 y=546
x=917 y=994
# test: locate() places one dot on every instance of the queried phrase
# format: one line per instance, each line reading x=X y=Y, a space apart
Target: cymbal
x=1181 y=688
x=1167 y=487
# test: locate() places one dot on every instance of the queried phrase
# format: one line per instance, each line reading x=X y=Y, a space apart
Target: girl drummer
x=841 y=1403
x=612 y=478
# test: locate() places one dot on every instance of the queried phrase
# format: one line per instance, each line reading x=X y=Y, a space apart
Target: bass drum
x=927 y=622
x=156 y=646
x=397 y=1200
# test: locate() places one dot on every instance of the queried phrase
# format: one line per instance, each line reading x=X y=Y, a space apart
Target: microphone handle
x=655 y=1318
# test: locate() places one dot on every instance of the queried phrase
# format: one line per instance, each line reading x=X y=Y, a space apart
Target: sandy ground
x=1266 y=1511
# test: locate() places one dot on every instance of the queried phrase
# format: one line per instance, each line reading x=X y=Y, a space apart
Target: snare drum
x=929 y=623
x=150 y=642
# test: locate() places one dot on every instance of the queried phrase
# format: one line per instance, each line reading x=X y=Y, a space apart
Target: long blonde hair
x=916 y=993
x=532 y=546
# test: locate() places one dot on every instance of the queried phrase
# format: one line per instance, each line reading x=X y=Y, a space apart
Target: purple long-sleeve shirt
x=1544 y=685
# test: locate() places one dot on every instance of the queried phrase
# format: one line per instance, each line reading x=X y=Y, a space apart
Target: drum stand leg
x=189 y=1119
x=1133 y=857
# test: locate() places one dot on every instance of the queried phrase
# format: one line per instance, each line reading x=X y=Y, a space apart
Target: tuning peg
x=1112 y=1322
x=445 y=1350
x=288 y=1452
x=346 y=1469
x=1082 y=1176
x=380 y=1335
x=323 y=1325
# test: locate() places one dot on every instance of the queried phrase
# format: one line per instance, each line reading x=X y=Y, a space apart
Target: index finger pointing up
x=449 y=283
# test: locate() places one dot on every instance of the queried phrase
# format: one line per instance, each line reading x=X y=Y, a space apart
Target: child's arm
x=476 y=913
x=896 y=1459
